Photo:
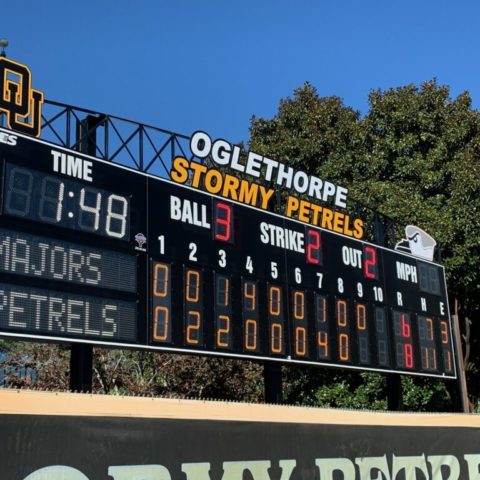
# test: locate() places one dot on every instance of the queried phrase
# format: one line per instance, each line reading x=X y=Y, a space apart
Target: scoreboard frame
x=196 y=261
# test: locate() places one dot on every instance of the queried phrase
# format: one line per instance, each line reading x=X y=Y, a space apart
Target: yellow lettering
x=292 y=205
x=230 y=187
x=198 y=169
x=316 y=212
x=358 y=228
x=304 y=211
x=248 y=193
x=266 y=194
x=213 y=181
x=179 y=172
x=327 y=219
x=338 y=220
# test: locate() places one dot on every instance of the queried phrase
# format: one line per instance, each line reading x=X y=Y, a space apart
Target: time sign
x=95 y=252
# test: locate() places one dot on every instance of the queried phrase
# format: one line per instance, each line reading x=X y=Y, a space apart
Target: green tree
x=414 y=157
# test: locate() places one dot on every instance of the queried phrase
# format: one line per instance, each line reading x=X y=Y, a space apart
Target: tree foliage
x=414 y=157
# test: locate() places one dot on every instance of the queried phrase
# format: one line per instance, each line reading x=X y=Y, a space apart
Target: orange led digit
x=300 y=341
x=429 y=360
x=341 y=313
x=343 y=330
x=363 y=338
x=444 y=332
x=428 y=346
x=250 y=294
x=161 y=279
x=299 y=305
x=361 y=317
x=322 y=327
x=251 y=334
x=251 y=318
x=274 y=301
x=161 y=303
x=322 y=342
x=446 y=347
x=193 y=327
x=343 y=347
x=429 y=322
x=223 y=312
x=193 y=307
x=448 y=361
x=300 y=318
x=223 y=333
x=276 y=338
x=276 y=319
x=223 y=291
x=161 y=325
x=192 y=286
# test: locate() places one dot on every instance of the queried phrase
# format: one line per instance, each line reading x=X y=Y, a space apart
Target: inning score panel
x=97 y=253
x=235 y=281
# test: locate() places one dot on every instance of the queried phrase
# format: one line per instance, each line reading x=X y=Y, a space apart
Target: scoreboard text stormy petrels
x=95 y=252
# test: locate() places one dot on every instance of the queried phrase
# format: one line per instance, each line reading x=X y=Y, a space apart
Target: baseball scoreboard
x=95 y=252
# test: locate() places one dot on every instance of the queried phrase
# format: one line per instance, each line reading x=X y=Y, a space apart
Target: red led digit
x=408 y=355
x=370 y=269
x=405 y=327
x=223 y=222
x=313 y=247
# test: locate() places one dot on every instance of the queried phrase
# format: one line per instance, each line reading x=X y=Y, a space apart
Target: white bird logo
x=417 y=242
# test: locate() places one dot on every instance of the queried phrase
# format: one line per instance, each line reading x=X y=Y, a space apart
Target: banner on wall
x=45 y=447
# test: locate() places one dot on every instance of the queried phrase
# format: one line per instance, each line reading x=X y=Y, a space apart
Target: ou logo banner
x=21 y=103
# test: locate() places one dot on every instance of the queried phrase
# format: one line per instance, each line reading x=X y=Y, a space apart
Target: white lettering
x=139 y=472
x=16 y=309
x=352 y=257
x=328 y=466
x=72 y=166
x=409 y=465
x=188 y=211
x=201 y=144
x=282 y=237
x=56 y=472
x=367 y=465
x=473 y=462
x=423 y=302
x=399 y=299
x=449 y=461
x=407 y=272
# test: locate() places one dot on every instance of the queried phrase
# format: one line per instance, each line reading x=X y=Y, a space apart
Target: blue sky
x=186 y=65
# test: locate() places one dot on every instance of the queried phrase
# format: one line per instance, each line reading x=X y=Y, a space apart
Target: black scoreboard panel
x=94 y=252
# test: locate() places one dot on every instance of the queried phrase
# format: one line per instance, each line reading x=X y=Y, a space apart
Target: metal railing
x=115 y=139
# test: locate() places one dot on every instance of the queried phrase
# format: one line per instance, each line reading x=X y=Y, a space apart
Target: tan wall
x=48 y=403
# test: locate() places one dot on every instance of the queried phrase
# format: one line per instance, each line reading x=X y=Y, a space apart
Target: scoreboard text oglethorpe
x=95 y=252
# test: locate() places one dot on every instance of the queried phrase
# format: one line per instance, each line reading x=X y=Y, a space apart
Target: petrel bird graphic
x=417 y=242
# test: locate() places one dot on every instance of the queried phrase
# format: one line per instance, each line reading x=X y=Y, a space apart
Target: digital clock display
x=123 y=258
x=44 y=198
